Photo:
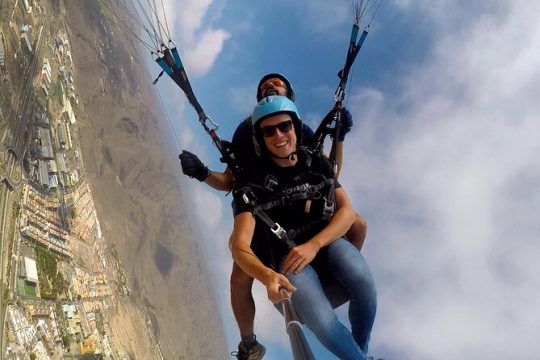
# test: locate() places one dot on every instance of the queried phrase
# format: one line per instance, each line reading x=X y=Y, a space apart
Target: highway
x=12 y=177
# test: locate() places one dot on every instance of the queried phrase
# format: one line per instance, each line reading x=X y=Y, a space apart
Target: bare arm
x=240 y=242
x=339 y=224
x=338 y=156
x=221 y=181
x=341 y=221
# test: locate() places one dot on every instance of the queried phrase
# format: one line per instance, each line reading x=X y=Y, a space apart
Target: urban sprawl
x=59 y=279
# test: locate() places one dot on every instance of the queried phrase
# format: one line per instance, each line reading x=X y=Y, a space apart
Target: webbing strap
x=304 y=195
x=276 y=229
x=286 y=237
x=293 y=233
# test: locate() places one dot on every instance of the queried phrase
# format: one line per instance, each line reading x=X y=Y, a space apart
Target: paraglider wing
x=170 y=62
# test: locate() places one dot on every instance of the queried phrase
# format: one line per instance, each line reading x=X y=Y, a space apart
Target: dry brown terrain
x=134 y=178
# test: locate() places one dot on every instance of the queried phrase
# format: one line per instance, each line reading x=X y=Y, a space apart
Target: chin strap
x=288 y=157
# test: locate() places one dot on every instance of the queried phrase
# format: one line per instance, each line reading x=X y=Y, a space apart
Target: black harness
x=323 y=190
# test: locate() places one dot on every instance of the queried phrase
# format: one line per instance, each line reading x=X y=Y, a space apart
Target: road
x=9 y=187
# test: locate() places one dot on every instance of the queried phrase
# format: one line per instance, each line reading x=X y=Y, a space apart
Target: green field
x=25 y=289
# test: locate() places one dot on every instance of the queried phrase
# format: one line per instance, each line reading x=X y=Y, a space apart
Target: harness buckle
x=270 y=182
x=278 y=231
x=247 y=195
x=286 y=200
x=328 y=207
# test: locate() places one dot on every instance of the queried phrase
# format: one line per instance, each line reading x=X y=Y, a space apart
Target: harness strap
x=309 y=193
x=293 y=233
x=284 y=236
x=276 y=229
x=329 y=202
x=287 y=237
x=249 y=197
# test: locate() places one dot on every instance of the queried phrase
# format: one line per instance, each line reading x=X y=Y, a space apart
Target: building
x=30 y=270
x=40 y=222
x=26 y=41
x=88 y=345
x=39 y=311
x=46 y=76
x=53 y=173
x=43 y=120
x=69 y=114
x=26 y=37
x=43 y=173
x=26 y=6
x=89 y=357
x=47 y=152
x=74 y=327
x=25 y=333
x=61 y=135
x=61 y=162
x=2 y=52
x=47 y=70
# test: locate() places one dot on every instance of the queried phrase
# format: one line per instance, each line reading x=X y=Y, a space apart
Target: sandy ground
x=134 y=180
x=128 y=332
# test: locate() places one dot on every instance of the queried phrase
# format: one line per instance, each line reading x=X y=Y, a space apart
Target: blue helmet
x=274 y=105
x=290 y=91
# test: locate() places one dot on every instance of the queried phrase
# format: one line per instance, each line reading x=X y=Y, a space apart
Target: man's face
x=273 y=86
x=279 y=135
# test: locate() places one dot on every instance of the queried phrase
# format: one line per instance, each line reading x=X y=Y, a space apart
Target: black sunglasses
x=270 y=130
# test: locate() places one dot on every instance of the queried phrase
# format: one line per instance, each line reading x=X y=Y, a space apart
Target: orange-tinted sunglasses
x=272 y=82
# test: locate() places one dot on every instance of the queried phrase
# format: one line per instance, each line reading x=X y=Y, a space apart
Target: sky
x=441 y=160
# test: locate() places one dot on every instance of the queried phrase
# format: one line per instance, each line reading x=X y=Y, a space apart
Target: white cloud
x=207 y=207
x=329 y=18
x=200 y=56
x=199 y=43
x=187 y=137
x=188 y=17
x=450 y=186
x=447 y=177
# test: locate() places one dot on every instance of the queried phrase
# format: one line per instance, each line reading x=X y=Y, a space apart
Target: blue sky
x=442 y=158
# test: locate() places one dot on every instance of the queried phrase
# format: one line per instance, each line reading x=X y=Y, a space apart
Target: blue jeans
x=349 y=269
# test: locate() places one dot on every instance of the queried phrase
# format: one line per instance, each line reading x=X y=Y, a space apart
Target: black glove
x=192 y=166
x=346 y=124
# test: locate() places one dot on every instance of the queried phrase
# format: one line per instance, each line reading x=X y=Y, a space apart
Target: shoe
x=255 y=352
